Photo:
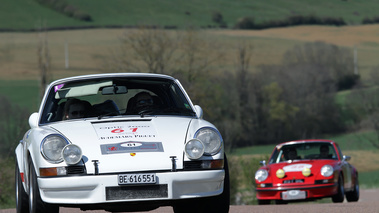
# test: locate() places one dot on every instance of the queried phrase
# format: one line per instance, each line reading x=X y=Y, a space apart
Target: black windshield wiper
x=180 y=111
x=113 y=113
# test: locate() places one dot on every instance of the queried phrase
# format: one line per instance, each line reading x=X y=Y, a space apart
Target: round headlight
x=72 y=154
x=52 y=146
x=211 y=139
x=194 y=149
x=327 y=170
x=261 y=175
x=280 y=173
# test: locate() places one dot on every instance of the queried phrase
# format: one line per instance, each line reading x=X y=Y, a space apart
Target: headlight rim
x=219 y=147
x=43 y=152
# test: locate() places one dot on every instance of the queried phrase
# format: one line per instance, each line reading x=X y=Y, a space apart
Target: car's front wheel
x=36 y=204
x=340 y=196
x=353 y=196
x=219 y=203
x=264 y=202
x=21 y=196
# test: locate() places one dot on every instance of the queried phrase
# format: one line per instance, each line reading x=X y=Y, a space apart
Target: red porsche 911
x=306 y=170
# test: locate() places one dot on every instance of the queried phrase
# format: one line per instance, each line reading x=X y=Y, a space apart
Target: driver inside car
x=143 y=101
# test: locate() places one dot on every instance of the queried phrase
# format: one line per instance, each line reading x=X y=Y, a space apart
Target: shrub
x=65 y=8
x=371 y=20
x=248 y=23
x=7 y=198
x=78 y=14
x=245 y=23
x=13 y=125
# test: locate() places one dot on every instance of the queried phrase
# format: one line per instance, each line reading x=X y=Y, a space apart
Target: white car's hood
x=124 y=145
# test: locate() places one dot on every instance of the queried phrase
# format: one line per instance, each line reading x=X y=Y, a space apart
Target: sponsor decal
x=296 y=167
x=133 y=154
x=56 y=88
x=131 y=147
x=119 y=131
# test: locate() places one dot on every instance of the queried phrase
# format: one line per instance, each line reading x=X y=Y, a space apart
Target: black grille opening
x=75 y=170
x=192 y=165
x=136 y=192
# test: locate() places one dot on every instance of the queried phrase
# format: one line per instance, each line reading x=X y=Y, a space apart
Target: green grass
x=23 y=93
x=27 y=14
x=368 y=180
x=350 y=141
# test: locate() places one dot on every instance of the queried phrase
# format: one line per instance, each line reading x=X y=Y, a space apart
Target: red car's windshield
x=303 y=151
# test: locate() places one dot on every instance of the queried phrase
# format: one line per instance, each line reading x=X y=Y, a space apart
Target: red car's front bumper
x=311 y=191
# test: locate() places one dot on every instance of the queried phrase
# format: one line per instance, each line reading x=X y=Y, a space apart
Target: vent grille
x=192 y=165
x=75 y=170
x=136 y=192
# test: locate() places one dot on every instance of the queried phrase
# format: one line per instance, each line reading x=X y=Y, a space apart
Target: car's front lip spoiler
x=296 y=188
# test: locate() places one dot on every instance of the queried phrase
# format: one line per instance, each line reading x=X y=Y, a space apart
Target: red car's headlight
x=261 y=175
x=327 y=171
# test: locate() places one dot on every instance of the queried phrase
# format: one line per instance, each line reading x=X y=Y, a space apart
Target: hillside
x=28 y=14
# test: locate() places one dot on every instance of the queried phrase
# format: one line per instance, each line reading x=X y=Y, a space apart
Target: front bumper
x=311 y=191
x=91 y=189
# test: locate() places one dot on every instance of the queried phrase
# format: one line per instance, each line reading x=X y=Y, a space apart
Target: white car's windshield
x=114 y=97
x=303 y=151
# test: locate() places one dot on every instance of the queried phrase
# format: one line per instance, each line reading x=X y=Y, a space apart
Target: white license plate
x=137 y=178
x=293 y=195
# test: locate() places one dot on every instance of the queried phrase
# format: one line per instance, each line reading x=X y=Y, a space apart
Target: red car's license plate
x=137 y=178
x=293 y=195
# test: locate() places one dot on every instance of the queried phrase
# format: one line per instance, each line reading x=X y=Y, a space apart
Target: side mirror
x=33 y=120
x=346 y=158
x=199 y=111
x=262 y=163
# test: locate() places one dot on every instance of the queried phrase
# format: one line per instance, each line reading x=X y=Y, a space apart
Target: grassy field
x=28 y=14
x=19 y=71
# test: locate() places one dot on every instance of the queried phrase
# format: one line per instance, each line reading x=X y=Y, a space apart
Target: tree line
x=295 y=99
x=292 y=100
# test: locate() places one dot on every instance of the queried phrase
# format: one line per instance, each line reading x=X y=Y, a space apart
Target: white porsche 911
x=120 y=142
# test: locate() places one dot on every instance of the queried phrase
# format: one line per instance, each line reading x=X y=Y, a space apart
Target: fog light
x=194 y=149
x=72 y=154
x=280 y=173
x=306 y=172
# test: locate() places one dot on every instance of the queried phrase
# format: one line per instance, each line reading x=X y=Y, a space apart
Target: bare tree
x=337 y=61
x=145 y=50
x=363 y=105
x=43 y=59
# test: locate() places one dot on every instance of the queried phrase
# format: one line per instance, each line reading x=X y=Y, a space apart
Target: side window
x=178 y=97
x=339 y=151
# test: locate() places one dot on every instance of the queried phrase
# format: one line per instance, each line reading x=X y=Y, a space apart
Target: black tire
x=340 y=196
x=36 y=205
x=21 y=196
x=189 y=206
x=353 y=196
x=219 y=203
x=264 y=202
x=281 y=202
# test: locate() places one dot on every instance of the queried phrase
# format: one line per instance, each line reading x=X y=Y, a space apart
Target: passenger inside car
x=75 y=108
x=141 y=101
x=292 y=154
x=324 y=152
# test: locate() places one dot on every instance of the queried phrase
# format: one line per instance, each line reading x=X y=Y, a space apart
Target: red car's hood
x=293 y=170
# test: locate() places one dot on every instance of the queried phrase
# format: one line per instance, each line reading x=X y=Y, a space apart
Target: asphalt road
x=368 y=203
